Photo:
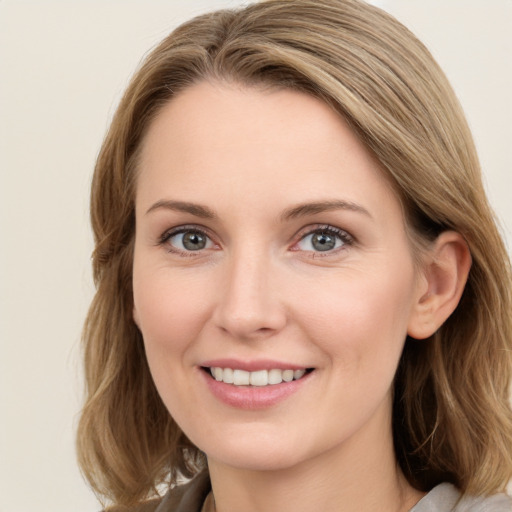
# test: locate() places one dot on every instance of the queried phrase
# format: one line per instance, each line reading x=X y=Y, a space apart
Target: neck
x=358 y=475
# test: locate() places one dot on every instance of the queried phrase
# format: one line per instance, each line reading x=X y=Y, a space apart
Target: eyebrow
x=305 y=209
x=300 y=210
x=182 y=206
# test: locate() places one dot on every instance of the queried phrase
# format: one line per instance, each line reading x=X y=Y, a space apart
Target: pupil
x=323 y=242
x=194 y=241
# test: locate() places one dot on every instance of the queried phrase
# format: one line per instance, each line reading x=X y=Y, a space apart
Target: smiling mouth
x=258 y=378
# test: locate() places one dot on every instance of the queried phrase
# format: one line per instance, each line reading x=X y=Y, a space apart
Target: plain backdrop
x=63 y=66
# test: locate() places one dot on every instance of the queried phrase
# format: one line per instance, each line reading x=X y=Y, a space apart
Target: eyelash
x=326 y=229
x=342 y=235
x=164 y=239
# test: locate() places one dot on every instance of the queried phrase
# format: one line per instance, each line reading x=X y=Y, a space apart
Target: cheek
x=169 y=313
x=360 y=320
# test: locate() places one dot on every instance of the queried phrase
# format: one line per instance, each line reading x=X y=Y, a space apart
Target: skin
x=261 y=290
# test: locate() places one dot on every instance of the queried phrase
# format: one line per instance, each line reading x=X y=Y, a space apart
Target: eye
x=324 y=239
x=187 y=240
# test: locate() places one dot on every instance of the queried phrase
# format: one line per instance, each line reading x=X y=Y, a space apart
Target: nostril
x=250 y=326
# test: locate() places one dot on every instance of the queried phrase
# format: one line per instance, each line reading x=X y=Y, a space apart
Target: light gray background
x=63 y=66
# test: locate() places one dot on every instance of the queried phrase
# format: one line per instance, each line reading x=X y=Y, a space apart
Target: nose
x=249 y=305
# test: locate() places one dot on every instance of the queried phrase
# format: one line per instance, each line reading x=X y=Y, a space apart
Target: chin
x=257 y=459
x=261 y=452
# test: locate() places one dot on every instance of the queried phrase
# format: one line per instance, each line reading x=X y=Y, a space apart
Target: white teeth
x=240 y=378
x=275 y=376
x=288 y=375
x=217 y=373
x=257 y=378
x=227 y=375
x=297 y=374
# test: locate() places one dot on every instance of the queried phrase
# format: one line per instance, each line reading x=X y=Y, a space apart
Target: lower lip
x=253 y=397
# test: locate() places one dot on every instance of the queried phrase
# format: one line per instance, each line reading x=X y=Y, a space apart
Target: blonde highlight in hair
x=451 y=419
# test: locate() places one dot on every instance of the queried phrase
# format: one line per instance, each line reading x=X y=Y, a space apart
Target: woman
x=302 y=297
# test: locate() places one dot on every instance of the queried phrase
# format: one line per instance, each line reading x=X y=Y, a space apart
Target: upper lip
x=252 y=366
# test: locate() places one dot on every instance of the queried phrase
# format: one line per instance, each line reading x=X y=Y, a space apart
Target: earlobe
x=446 y=269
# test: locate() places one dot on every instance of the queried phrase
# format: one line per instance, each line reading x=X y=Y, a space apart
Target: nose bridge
x=248 y=304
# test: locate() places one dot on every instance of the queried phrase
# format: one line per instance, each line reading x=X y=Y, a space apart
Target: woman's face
x=269 y=246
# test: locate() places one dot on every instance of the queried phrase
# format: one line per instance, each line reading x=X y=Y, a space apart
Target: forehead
x=214 y=141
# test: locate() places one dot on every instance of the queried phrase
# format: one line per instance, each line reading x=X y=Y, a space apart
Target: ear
x=445 y=272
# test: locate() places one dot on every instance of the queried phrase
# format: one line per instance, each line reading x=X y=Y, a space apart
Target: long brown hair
x=451 y=419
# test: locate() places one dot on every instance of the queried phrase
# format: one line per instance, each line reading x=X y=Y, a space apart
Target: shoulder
x=188 y=497
x=147 y=506
x=446 y=498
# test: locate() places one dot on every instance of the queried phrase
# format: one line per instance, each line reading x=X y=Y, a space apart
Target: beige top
x=196 y=496
x=446 y=498
x=443 y=498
